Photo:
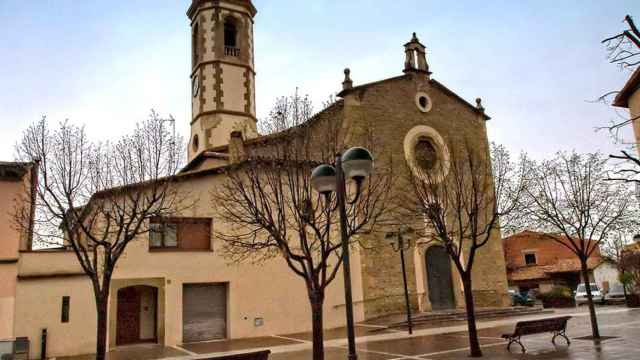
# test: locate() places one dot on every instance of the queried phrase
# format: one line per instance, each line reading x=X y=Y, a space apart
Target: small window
x=195 y=144
x=194 y=45
x=423 y=102
x=230 y=34
x=180 y=233
x=530 y=259
x=65 y=309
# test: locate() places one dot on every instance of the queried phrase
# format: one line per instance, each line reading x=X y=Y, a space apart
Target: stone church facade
x=189 y=292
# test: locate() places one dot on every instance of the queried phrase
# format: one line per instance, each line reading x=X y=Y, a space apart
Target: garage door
x=204 y=312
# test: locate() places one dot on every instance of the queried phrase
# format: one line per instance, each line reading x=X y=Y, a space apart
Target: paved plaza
x=433 y=342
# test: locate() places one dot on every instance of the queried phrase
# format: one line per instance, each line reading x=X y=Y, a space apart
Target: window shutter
x=195 y=234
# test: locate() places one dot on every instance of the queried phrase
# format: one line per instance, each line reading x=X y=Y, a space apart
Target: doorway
x=136 y=315
x=439 y=280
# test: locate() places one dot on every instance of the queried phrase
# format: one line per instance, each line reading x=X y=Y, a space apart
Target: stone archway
x=439 y=280
x=136 y=314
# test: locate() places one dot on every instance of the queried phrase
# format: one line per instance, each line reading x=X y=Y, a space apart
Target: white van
x=581 y=294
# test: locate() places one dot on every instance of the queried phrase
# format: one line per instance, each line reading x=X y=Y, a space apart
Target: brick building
x=536 y=261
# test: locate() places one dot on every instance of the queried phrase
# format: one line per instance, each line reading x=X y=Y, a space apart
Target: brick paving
x=435 y=343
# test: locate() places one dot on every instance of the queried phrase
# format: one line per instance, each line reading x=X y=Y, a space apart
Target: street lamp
x=397 y=242
x=356 y=164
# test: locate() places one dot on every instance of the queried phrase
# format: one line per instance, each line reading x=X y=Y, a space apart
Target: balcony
x=231 y=51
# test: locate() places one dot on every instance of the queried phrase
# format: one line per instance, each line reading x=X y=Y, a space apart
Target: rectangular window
x=180 y=233
x=65 y=309
x=530 y=259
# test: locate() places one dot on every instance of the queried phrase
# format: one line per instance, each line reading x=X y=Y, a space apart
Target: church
x=184 y=290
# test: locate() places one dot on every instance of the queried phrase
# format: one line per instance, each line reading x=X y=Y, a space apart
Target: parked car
x=615 y=294
x=519 y=299
x=581 y=294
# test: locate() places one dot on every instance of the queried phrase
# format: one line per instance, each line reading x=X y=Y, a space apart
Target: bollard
x=43 y=345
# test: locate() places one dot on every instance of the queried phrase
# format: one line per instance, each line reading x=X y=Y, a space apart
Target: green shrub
x=558 y=296
x=557 y=292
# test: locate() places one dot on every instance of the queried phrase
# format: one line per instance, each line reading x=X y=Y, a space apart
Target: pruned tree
x=462 y=201
x=95 y=198
x=571 y=199
x=273 y=211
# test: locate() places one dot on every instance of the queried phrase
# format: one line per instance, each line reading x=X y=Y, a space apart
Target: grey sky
x=104 y=63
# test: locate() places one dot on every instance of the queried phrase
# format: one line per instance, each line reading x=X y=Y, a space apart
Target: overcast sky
x=535 y=64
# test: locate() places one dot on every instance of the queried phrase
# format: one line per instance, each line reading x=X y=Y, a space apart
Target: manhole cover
x=602 y=338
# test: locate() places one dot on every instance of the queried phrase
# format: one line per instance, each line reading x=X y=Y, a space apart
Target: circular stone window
x=195 y=143
x=426 y=153
x=423 y=102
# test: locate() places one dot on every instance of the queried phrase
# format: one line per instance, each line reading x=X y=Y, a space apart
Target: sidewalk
x=299 y=344
x=438 y=342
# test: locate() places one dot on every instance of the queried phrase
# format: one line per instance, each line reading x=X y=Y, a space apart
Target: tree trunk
x=592 y=309
x=471 y=317
x=101 y=336
x=316 y=299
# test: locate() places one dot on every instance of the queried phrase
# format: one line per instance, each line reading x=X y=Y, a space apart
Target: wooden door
x=439 y=280
x=204 y=312
x=128 y=321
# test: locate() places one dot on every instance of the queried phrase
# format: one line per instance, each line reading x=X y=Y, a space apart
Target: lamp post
x=398 y=244
x=355 y=165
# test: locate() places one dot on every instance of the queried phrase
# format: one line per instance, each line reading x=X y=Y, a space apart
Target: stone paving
x=435 y=343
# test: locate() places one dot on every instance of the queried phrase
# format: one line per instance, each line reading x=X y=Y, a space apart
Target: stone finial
x=347 y=83
x=414 y=38
x=479 y=104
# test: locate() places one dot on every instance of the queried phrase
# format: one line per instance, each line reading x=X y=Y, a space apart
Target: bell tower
x=222 y=72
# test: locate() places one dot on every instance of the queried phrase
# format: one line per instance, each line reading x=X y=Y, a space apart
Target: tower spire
x=415 y=56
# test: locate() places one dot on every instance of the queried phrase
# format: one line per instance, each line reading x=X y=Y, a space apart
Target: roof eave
x=630 y=87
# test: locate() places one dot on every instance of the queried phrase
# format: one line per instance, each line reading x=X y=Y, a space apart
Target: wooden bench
x=557 y=326
x=259 y=355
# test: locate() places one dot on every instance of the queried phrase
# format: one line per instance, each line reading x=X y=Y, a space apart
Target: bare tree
x=287 y=112
x=462 y=200
x=98 y=197
x=571 y=196
x=273 y=211
x=624 y=48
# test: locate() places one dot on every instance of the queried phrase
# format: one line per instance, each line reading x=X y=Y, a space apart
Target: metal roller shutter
x=204 y=312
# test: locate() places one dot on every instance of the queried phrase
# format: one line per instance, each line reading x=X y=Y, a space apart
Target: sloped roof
x=431 y=81
x=537 y=272
x=222 y=151
x=622 y=99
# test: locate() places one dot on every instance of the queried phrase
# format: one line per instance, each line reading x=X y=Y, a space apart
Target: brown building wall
x=547 y=251
x=388 y=111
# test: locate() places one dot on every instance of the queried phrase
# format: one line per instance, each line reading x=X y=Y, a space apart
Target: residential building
x=629 y=97
x=15 y=196
x=538 y=261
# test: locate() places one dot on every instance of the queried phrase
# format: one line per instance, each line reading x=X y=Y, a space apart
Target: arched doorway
x=439 y=280
x=136 y=315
